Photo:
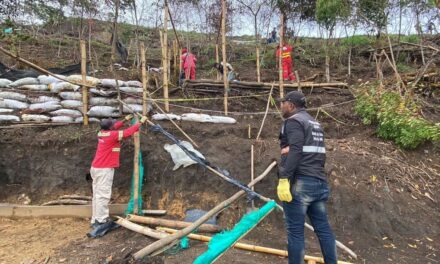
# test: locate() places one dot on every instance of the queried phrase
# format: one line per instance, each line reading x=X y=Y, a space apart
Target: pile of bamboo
x=206 y=83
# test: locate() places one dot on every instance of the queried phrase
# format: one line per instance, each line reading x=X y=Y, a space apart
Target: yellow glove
x=283 y=190
x=144 y=119
x=128 y=117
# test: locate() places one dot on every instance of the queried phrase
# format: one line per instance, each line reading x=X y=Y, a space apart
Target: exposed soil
x=380 y=205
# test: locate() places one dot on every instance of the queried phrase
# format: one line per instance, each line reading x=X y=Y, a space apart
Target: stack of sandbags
x=10 y=103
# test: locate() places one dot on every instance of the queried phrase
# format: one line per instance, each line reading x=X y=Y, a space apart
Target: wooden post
x=144 y=79
x=84 y=87
x=280 y=59
x=137 y=143
x=258 y=64
x=217 y=60
x=225 y=69
x=165 y=58
x=298 y=81
x=252 y=173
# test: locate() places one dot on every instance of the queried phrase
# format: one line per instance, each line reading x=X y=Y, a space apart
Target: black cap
x=107 y=124
x=295 y=97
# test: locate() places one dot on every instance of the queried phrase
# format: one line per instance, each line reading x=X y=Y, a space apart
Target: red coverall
x=103 y=168
x=286 y=62
x=188 y=64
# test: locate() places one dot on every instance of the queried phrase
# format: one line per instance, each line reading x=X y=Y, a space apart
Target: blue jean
x=310 y=195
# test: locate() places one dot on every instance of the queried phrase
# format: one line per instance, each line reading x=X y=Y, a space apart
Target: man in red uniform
x=287 y=62
x=104 y=164
x=188 y=64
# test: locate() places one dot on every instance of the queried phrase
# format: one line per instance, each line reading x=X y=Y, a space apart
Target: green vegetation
x=397 y=118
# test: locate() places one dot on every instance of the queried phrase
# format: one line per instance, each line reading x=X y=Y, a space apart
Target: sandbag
x=9 y=118
x=102 y=92
x=62 y=86
x=127 y=89
x=48 y=79
x=62 y=119
x=35 y=118
x=203 y=118
x=102 y=101
x=66 y=112
x=179 y=157
x=5 y=110
x=133 y=84
x=71 y=95
x=43 y=99
x=72 y=104
x=12 y=104
x=91 y=120
x=91 y=81
x=131 y=100
x=46 y=106
x=166 y=117
x=14 y=96
x=5 y=83
x=111 y=83
x=133 y=107
x=34 y=87
x=103 y=111
x=24 y=81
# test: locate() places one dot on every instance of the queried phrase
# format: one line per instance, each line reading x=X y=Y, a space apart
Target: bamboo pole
x=225 y=69
x=140 y=229
x=165 y=58
x=252 y=174
x=217 y=60
x=144 y=79
x=265 y=113
x=187 y=230
x=249 y=247
x=298 y=81
x=258 y=64
x=175 y=51
x=137 y=143
x=84 y=88
x=171 y=223
x=280 y=58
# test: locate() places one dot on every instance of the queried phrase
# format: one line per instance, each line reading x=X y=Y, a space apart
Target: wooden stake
x=252 y=173
x=137 y=143
x=280 y=59
x=265 y=113
x=158 y=245
x=165 y=58
x=144 y=79
x=225 y=69
x=171 y=223
x=84 y=88
x=298 y=81
x=217 y=60
x=258 y=64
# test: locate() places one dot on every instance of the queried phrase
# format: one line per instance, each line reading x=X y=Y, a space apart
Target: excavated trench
x=44 y=163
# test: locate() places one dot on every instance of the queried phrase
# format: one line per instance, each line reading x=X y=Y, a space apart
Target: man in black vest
x=302 y=186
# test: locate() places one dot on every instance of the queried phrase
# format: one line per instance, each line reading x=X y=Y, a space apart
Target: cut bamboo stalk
x=136 y=140
x=140 y=229
x=280 y=58
x=84 y=88
x=252 y=173
x=165 y=58
x=258 y=64
x=154 y=212
x=66 y=202
x=207 y=82
x=77 y=197
x=265 y=113
x=248 y=247
x=156 y=246
x=144 y=79
x=172 y=223
x=298 y=82
x=225 y=69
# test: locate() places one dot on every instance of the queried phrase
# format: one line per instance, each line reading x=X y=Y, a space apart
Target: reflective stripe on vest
x=116 y=149
x=314 y=149
x=103 y=134
x=285 y=55
x=120 y=135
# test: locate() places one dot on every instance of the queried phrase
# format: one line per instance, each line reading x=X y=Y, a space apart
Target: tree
x=328 y=12
x=375 y=13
